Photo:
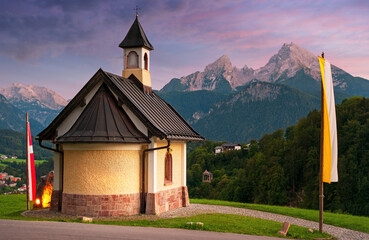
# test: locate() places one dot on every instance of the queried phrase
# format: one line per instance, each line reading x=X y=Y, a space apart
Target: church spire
x=136 y=59
x=136 y=37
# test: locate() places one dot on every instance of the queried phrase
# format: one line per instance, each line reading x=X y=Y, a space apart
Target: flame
x=46 y=195
x=38 y=201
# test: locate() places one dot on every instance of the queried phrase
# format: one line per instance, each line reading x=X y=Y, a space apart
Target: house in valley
x=227 y=147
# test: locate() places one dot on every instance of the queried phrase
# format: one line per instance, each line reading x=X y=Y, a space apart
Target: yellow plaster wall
x=141 y=74
x=101 y=171
x=177 y=158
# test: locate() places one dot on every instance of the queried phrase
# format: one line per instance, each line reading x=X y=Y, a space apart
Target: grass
x=11 y=207
x=340 y=220
x=227 y=223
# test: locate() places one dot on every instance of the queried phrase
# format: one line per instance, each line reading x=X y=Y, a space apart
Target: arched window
x=168 y=167
x=146 y=60
x=132 y=60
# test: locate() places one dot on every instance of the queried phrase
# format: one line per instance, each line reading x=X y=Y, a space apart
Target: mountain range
x=258 y=101
x=42 y=105
x=222 y=102
x=282 y=67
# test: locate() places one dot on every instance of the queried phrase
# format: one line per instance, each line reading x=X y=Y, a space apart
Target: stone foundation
x=55 y=204
x=119 y=205
x=101 y=205
x=166 y=200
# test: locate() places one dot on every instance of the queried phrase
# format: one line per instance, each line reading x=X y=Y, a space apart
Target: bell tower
x=136 y=54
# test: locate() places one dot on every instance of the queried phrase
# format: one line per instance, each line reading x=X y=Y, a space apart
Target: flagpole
x=27 y=161
x=321 y=191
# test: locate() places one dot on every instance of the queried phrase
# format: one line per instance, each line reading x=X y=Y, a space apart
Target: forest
x=14 y=143
x=282 y=168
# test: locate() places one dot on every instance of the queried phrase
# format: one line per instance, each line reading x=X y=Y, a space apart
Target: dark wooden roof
x=103 y=121
x=158 y=116
x=136 y=37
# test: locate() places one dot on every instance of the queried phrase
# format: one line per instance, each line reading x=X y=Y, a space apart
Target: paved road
x=13 y=229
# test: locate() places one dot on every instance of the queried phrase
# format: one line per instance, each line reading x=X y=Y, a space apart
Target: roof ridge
x=94 y=123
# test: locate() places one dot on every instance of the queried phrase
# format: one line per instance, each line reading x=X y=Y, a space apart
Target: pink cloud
x=187 y=35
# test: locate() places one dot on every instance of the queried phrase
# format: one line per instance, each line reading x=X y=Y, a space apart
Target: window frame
x=138 y=57
x=168 y=168
x=146 y=62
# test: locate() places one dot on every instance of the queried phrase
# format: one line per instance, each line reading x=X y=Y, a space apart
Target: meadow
x=357 y=223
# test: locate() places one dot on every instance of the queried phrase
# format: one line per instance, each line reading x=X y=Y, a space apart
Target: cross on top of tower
x=136 y=9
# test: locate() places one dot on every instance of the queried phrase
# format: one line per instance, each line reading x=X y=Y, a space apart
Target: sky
x=61 y=44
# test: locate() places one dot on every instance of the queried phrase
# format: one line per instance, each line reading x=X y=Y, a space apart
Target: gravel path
x=195 y=209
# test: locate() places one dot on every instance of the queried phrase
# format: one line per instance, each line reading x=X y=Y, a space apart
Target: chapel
x=119 y=149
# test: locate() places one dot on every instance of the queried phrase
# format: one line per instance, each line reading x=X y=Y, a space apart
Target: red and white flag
x=30 y=167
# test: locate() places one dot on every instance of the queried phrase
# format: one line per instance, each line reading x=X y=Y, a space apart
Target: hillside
x=306 y=83
x=256 y=109
x=13 y=118
x=282 y=168
x=192 y=105
x=14 y=143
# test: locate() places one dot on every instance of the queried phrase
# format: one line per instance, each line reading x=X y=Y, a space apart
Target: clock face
x=132 y=60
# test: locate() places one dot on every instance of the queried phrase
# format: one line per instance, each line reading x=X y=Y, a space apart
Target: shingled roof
x=158 y=116
x=136 y=37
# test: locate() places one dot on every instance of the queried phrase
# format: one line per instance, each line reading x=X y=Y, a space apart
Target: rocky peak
x=222 y=63
x=289 y=59
x=298 y=54
x=18 y=92
x=214 y=74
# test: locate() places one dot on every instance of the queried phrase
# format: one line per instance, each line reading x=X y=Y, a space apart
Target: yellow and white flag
x=330 y=147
